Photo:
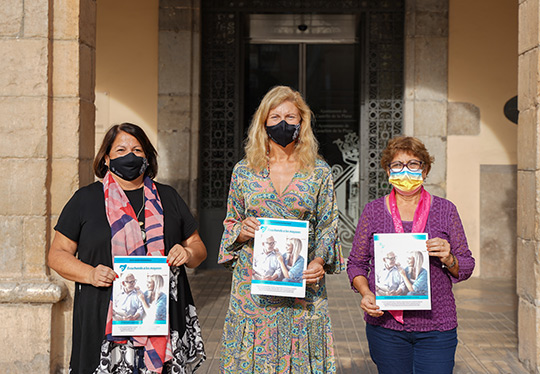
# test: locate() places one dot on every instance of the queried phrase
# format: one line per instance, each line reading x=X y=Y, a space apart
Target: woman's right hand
x=369 y=306
x=247 y=229
x=101 y=276
x=368 y=303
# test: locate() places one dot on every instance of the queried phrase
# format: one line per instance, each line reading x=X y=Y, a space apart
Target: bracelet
x=453 y=263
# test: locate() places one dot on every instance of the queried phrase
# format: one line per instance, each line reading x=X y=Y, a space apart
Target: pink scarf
x=126 y=240
x=419 y=224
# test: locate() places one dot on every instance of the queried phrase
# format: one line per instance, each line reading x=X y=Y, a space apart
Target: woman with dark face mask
x=282 y=176
x=125 y=214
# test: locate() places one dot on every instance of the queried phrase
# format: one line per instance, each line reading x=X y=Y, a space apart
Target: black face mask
x=283 y=133
x=128 y=167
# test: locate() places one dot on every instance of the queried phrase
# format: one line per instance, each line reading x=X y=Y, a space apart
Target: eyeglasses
x=412 y=165
x=390 y=258
x=131 y=281
x=268 y=243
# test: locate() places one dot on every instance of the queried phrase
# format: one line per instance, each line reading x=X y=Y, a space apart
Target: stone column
x=46 y=134
x=426 y=82
x=528 y=219
x=72 y=134
x=178 y=96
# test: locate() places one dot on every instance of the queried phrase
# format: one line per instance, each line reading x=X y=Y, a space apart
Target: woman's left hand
x=314 y=271
x=178 y=255
x=439 y=248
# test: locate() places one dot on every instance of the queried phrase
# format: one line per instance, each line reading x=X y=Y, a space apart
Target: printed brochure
x=140 y=296
x=402 y=278
x=280 y=258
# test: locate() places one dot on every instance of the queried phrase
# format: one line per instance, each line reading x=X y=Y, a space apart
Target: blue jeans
x=402 y=352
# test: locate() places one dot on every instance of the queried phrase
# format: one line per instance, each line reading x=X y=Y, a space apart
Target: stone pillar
x=46 y=134
x=178 y=96
x=426 y=82
x=528 y=219
x=72 y=134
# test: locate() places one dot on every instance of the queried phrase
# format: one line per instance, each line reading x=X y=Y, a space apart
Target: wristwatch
x=452 y=264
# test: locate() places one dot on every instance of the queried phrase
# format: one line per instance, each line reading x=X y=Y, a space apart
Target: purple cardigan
x=443 y=222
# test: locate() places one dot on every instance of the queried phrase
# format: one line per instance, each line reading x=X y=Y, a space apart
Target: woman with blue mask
x=412 y=341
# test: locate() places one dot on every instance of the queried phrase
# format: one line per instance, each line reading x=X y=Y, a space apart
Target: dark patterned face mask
x=128 y=167
x=283 y=133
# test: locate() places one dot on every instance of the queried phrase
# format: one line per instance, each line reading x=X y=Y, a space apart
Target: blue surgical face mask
x=283 y=133
x=128 y=167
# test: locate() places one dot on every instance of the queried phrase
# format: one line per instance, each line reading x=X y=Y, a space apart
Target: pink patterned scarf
x=127 y=241
x=419 y=224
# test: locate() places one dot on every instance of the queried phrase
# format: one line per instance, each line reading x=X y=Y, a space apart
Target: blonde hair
x=418 y=262
x=158 y=282
x=297 y=248
x=257 y=145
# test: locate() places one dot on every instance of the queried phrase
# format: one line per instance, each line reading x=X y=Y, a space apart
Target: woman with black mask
x=282 y=176
x=127 y=214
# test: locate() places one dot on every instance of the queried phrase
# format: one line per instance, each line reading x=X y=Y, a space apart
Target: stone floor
x=487 y=312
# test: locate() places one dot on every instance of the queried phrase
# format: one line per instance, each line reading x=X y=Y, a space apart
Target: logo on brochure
x=123 y=267
x=263 y=228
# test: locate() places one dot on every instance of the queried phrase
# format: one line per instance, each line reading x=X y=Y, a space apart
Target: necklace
x=141 y=224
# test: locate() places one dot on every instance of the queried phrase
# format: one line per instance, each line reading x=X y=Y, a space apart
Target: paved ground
x=487 y=313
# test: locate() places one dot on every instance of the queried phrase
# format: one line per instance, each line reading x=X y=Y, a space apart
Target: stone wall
x=528 y=207
x=46 y=146
x=178 y=96
x=498 y=199
x=426 y=82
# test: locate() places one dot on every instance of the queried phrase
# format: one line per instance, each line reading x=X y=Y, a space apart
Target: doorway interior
x=317 y=55
x=348 y=64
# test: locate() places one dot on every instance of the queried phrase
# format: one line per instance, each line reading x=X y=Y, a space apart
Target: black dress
x=84 y=221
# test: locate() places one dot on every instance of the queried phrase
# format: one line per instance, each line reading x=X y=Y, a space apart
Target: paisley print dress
x=270 y=334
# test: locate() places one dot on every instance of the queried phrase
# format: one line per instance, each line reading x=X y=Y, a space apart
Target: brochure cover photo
x=140 y=296
x=402 y=278
x=280 y=258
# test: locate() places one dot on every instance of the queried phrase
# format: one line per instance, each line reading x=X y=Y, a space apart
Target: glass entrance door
x=327 y=74
x=229 y=97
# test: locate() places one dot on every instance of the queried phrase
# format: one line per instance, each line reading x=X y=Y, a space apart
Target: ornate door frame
x=221 y=138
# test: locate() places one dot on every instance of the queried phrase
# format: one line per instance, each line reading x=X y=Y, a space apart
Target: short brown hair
x=407 y=144
x=100 y=168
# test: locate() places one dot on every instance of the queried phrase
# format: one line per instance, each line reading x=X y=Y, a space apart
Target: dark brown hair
x=407 y=144
x=100 y=169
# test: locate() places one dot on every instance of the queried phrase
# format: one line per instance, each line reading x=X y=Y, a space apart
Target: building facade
x=191 y=72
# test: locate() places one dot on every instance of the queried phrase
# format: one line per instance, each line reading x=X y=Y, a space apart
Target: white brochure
x=402 y=279
x=280 y=258
x=140 y=296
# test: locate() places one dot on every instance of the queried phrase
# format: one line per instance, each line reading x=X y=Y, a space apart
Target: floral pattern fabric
x=188 y=352
x=270 y=334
